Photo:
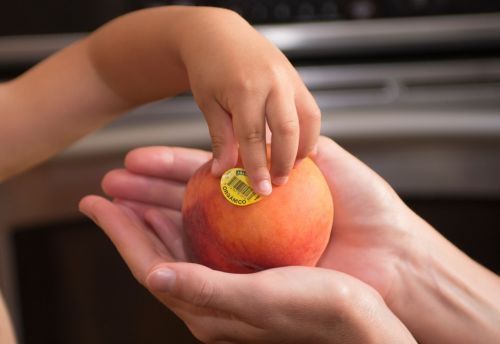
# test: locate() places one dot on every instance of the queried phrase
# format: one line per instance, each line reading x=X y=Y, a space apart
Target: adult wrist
x=442 y=295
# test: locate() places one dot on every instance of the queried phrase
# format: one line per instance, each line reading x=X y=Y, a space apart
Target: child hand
x=242 y=82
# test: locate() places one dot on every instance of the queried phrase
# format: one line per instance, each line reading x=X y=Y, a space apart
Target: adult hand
x=291 y=304
x=438 y=292
x=370 y=233
x=379 y=240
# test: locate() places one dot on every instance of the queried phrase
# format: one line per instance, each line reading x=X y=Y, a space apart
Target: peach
x=290 y=227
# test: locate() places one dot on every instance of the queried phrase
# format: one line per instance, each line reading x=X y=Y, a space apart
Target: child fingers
x=309 y=116
x=250 y=128
x=284 y=125
x=224 y=145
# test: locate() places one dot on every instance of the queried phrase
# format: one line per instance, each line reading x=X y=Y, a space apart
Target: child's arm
x=238 y=78
x=6 y=330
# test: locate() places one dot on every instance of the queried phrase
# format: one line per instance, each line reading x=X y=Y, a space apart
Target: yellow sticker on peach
x=235 y=186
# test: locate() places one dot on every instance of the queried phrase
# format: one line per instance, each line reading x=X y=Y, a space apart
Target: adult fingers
x=124 y=229
x=250 y=128
x=284 y=125
x=166 y=162
x=168 y=229
x=123 y=184
x=309 y=116
x=143 y=209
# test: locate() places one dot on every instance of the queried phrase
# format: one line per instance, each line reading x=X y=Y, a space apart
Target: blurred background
x=411 y=87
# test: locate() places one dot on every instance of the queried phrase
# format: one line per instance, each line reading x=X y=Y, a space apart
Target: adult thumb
x=200 y=286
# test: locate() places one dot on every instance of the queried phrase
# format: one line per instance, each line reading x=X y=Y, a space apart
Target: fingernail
x=280 y=180
x=265 y=187
x=216 y=167
x=162 y=280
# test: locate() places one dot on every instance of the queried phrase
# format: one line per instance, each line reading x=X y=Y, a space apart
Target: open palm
x=369 y=233
x=145 y=224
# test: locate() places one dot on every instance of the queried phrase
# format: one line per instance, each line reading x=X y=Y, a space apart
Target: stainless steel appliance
x=413 y=89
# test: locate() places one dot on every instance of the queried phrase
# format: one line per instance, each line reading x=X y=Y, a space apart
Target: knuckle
x=277 y=73
x=283 y=169
x=253 y=135
x=218 y=142
x=313 y=113
x=288 y=128
x=245 y=85
x=204 y=295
